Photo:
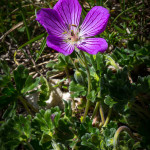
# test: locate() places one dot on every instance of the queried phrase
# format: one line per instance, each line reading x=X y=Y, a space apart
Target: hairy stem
x=116 y=136
x=31 y=106
x=95 y=109
x=29 y=146
x=101 y=113
x=24 y=104
x=67 y=74
x=73 y=62
x=108 y=117
x=89 y=85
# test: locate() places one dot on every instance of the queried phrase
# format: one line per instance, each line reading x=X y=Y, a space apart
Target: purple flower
x=62 y=25
x=53 y=117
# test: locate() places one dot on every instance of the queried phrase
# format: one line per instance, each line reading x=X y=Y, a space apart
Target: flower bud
x=79 y=77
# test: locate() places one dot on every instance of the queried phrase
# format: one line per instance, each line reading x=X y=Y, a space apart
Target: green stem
x=24 y=104
x=101 y=113
x=108 y=117
x=31 y=106
x=119 y=130
x=75 y=65
x=30 y=146
x=144 y=111
x=95 y=109
x=89 y=85
x=28 y=104
x=67 y=73
x=122 y=13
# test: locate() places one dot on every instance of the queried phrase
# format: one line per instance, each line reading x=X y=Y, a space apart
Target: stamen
x=72 y=33
x=64 y=32
x=73 y=25
x=69 y=26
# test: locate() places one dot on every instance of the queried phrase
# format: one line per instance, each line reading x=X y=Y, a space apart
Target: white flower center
x=72 y=36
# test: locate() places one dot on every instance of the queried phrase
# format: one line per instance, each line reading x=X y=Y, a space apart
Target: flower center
x=72 y=34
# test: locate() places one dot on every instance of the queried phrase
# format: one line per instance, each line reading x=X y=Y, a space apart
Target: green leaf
x=10 y=112
x=20 y=76
x=14 y=131
x=5 y=67
x=64 y=133
x=32 y=40
x=50 y=64
x=44 y=91
x=43 y=45
x=68 y=109
x=92 y=96
x=47 y=120
x=80 y=77
x=109 y=101
x=30 y=84
x=86 y=141
x=77 y=89
x=119 y=29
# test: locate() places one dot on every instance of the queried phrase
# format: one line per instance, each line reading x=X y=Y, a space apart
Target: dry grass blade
x=14 y=28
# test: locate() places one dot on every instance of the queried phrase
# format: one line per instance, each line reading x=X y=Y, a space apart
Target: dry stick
x=14 y=28
x=33 y=62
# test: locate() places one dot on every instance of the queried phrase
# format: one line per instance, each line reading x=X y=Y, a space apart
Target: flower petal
x=58 y=44
x=51 y=21
x=93 y=45
x=95 y=22
x=69 y=10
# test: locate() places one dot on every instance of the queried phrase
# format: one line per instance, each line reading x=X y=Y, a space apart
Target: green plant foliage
x=77 y=89
x=44 y=91
x=114 y=86
x=14 y=131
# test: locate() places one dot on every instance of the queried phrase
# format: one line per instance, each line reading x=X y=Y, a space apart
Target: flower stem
x=31 y=106
x=73 y=62
x=68 y=77
x=119 y=130
x=108 y=117
x=25 y=105
x=89 y=85
x=29 y=146
x=101 y=113
x=95 y=109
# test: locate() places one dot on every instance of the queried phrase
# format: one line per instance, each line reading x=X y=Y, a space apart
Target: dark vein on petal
x=85 y=28
x=74 y=12
x=88 y=19
x=99 y=21
x=58 y=21
x=64 y=14
x=90 y=31
x=69 y=12
x=90 y=49
x=55 y=23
